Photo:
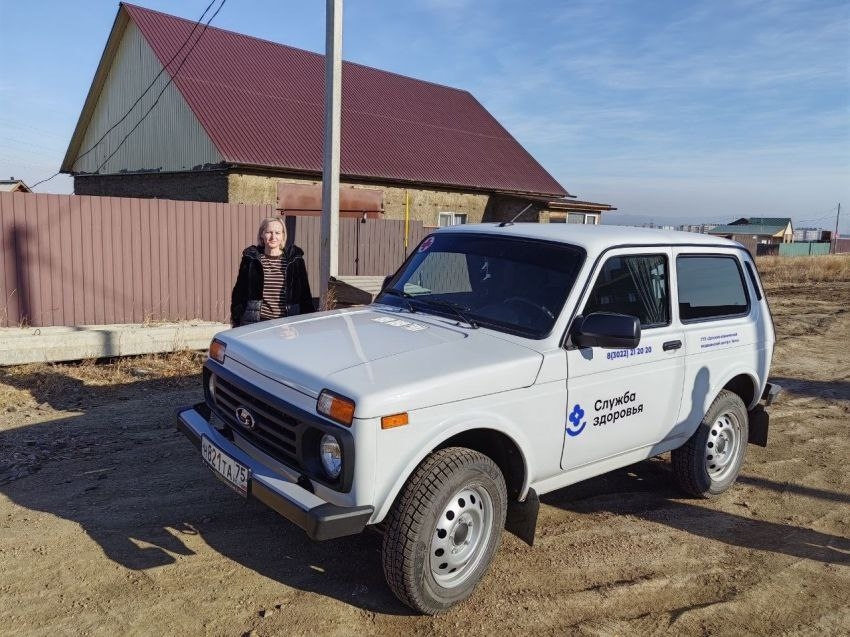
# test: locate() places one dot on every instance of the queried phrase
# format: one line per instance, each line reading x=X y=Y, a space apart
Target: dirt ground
x=111 y=525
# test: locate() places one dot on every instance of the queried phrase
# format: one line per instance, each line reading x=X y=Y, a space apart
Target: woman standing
x=272 y=280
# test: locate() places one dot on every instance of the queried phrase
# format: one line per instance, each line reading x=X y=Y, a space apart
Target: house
x=576 y=211
x=770 y=230
x=238 y=119
x=13 y=185
x=805 y=235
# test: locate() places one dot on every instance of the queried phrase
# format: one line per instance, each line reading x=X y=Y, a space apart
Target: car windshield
x=508 y=284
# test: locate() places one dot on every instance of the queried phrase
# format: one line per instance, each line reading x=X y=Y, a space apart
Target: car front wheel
x=444 y=529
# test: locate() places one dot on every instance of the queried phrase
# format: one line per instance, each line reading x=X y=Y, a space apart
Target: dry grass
x=821 y=269
x=123 y=370
x=26 y=385
x=330 y=301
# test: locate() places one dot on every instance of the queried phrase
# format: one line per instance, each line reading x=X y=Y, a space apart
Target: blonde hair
x=265 y=224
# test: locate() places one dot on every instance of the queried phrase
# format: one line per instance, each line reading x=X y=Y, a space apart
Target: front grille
x=275 y=432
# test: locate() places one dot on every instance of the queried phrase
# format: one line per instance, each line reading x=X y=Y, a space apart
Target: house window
x=582 y=218
x=452 y=218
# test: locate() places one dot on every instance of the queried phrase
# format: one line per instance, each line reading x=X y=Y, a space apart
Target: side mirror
x=607 y=329
x=386 y=282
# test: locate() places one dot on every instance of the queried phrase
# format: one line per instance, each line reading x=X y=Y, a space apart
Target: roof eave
x=405 y=182
x=122 y=19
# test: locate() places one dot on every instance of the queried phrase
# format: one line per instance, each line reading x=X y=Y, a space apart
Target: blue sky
x=671 y=111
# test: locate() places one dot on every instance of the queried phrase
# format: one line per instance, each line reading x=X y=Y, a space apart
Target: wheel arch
x=500 y=448
x=485 y=438
x=746 y=386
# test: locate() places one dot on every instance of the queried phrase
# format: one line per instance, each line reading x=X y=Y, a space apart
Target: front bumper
x=320 y=520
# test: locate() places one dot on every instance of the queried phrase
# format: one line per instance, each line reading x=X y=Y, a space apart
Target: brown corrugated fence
x=79 y=260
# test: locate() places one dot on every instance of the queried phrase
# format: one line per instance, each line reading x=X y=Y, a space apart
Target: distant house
x=812 y=234
x=576 y=211
x=240 y=120
x=13 y=185
x=771 y=230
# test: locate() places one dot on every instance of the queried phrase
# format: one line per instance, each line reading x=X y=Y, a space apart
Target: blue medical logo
x=576 y=426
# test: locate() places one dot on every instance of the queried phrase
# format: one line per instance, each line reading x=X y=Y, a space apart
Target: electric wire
x=153 y=81
x=164 y=88
x=147 y=89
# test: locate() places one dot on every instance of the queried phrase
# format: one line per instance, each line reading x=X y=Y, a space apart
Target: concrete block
x=19 y=346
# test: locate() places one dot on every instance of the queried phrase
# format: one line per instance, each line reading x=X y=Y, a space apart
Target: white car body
x=558 y=412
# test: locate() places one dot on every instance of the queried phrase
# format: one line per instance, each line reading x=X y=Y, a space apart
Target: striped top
x=274 y=287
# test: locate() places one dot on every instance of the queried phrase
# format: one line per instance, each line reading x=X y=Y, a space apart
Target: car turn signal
x=217 y=350
x=396 y=420
x=336 y=407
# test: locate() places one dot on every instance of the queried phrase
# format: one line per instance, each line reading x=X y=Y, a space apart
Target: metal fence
x=79 y=260
x=804 y=249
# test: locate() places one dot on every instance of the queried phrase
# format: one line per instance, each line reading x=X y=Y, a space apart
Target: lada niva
x=500 y=362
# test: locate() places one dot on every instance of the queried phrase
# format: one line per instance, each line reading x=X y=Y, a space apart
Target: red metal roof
x=262 y=104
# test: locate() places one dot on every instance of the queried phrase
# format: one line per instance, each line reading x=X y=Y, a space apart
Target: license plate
x=234 y=474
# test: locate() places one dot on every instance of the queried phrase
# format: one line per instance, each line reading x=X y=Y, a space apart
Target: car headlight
x=331 y=454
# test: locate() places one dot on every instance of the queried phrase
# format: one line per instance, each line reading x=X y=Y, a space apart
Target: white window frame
x=454 y=218
x=590 y=219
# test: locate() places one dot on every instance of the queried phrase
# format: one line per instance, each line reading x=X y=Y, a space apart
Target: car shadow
x=139 y=489
x=646 y=490
x=824 y=389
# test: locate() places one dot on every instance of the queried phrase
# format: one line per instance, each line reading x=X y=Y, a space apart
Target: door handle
x=671 y=345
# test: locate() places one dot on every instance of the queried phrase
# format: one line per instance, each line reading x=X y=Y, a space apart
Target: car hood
x=384 y=360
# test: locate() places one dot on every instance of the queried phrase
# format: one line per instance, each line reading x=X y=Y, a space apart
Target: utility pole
x=330 y=163
x=835 y=234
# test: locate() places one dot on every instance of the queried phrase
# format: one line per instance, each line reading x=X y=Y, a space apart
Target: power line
x=167 y=84
x=153 y=81
x=38 y=183
x=148 y=88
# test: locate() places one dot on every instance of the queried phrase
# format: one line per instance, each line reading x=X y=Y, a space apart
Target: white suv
x=500 y=362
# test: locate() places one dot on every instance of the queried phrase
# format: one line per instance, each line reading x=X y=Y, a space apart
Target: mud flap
x=521 y=519
x=759 y=421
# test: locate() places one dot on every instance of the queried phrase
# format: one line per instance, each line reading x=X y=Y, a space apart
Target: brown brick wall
x=425 y=204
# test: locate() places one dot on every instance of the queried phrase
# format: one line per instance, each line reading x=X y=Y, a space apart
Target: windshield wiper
x=455 y=308
x=403 y=295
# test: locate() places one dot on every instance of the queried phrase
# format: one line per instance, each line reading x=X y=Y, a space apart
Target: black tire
x=443 y=529
x=710 y=461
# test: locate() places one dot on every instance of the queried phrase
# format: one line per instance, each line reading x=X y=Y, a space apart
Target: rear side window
x=710 y=287
x=635 y=285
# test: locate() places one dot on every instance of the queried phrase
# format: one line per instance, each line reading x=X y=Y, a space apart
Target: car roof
x=594 y=238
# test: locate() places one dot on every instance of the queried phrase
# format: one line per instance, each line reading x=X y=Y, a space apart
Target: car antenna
x=511 y=222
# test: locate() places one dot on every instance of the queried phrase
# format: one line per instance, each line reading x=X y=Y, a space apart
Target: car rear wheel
x=444 y=529
x=709 y=463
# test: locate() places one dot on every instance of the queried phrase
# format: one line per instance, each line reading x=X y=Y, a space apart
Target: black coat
x=248 y=291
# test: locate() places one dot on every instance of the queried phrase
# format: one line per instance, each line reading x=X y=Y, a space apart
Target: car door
x=720 y=327
x=625 y=400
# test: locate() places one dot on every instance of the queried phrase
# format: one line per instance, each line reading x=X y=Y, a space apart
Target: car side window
x=710 y=287
x=636 y=285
